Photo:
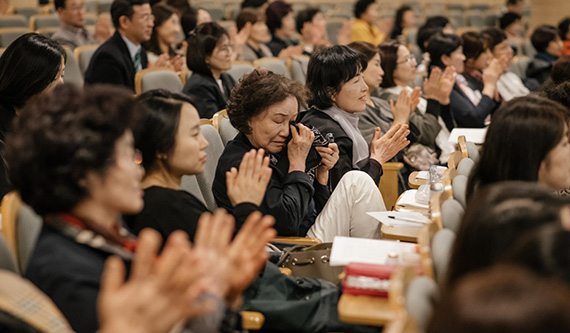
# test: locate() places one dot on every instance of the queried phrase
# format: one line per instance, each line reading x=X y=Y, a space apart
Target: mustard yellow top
x=364 y=32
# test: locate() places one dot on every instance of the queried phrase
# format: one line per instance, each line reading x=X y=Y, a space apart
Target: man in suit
x=117 y=60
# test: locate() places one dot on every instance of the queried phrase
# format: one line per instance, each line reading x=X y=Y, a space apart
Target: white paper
x=408 y=199
x=370 y=251
x=423 y=175
x=475 y=135
x=401 y=218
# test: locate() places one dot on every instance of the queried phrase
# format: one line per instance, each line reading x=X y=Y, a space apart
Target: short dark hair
x=253 y=3
x=522 y=133
x=563 y=28
x=61 y=137
x=201 y=43
x=503 y=299
x=442 y=44
x=494 y=37
x=437 y=21
x=544 y=251
x=424 y=34
x=256 y=92
x=162 y=12
x=275 y=12
x=180 y=5
x=27 y=67
x=495 y=218
x=474 y=43
x=361 y=6
x=542 y=36
x=365 y=48
x=246 y=15
x=188 y=21
x=124 y=8
x=160 y=121
x=389 y=53
x=399 y=18
x=559 y=93
x=507 y=19
x=329 y=68
x=305 y=16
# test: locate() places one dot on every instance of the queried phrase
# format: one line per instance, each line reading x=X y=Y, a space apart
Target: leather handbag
x=311 y=262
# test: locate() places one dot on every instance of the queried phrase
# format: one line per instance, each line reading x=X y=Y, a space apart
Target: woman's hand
x=384 y=147
x=250 y=182
x=401 y=110
x=439 y=85
x=329 y=157
x=299 y=146
x=160 y=292
x=415 y=97
x=491 y=75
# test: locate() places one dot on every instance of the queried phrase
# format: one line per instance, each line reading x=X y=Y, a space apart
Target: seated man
x=72 y=32
x=117 y=60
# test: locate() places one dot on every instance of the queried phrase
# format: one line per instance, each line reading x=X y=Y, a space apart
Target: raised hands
x=403 y=107
x=161 y=290
x=299 y=146
x=384 y=147
x=232 y=266
x=291 y=51
x=415 y=97
x=439 y=85
x=250 y=182
x=329 y=157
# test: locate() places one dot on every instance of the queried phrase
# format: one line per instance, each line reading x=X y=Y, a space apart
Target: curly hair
x=258 y=91
x=61 y=137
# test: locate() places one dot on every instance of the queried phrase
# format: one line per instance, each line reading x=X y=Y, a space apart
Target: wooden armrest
x=296 y=240
x=252 y=320
x=389 y=183
x=415 y=183
x=392 y=166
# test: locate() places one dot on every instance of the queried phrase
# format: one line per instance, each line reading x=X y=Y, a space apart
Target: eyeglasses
x=147 y=17
x=409 y=58
x=226 y=49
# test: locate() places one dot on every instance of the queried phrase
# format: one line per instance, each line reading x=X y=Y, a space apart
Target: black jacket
x=112 y=63
x=465 y=113
x=289 y=197
x=206 y=92
x=325 y=125
x=540 y=66
x=276 y=45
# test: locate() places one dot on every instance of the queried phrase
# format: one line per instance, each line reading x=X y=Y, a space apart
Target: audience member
x=161 y=45
x=564 y=32
x=103 y=28
x=509 y=84
x=193 y=17
x=261 y=108
x=432 y=26
x=29 y=56
x=559 y=93
x=528 y=141
x=72 y=32
x=280 y=20
x=336 y=81
x=495 y=219
x=428 y=129
x=209 y=56
x=548 y=46
x=254 y=47
x=560 y=71
x=364 y=27
x=511 y=25
x=405 y=19
x=379 y=113
x=503 y=299
x=82 y=182
x=173 y=147
x=118 y=60
x=312 y=26
x=469 y=106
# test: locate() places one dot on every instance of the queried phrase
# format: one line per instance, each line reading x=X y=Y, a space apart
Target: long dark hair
x=162 y=13
x=520 y=136
x=389 y=53
x=27 y=67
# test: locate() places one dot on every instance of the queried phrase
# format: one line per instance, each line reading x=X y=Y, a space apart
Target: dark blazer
x=465 y=113
x=112 y=63
x=325 y=125
x=69 y=273
x=292 y=198
x=207 y=94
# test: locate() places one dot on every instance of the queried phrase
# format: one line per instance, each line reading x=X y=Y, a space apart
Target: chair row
x=38 y=21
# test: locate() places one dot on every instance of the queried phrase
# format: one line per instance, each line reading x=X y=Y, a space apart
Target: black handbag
x=310 y=261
